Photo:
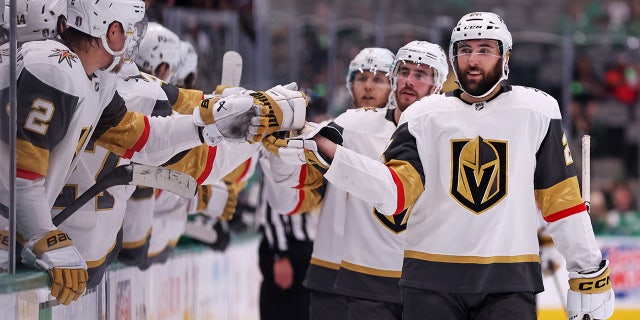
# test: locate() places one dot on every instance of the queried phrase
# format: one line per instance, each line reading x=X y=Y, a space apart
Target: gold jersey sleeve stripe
x=408 y=183
x=31 y=158
x=561 y=196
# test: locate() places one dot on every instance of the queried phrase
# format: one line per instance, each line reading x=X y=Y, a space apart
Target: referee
x=284 y=255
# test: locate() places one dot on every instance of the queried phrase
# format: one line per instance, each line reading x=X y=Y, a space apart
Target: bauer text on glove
x=55 y=253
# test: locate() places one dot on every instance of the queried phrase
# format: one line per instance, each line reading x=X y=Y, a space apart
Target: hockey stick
x=586 y=171
x=134 y=174
x=231 y=69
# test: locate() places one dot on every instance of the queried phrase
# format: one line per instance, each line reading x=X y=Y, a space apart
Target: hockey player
x=63 y=100
x=188 y=70
x=368 y=81
x=371 y=283
x=473 y=167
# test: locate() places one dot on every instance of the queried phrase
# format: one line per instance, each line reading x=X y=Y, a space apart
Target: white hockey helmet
x=159 y=45
x=94 y=18
x=370 y=59
x=423 y=52
x=37 y=19
x=482 y=25
x=188 y=62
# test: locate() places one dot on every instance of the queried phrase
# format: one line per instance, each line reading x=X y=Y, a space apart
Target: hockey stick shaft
x=133 y=174
x=586 y=169
x=231 y=69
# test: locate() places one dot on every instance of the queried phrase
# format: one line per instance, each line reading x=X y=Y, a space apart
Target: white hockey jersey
x=59 y=109
x=372 y=245
x=473 y=177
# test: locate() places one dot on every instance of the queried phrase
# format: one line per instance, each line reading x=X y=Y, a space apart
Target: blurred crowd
x=604 y=88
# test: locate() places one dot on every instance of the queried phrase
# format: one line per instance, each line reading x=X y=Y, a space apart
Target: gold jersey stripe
x=138 y=243
x=326 y=264
x=194 y=161
x=410 y=180
x=31 y=158
x=561 y=196
x=99 y=262
x=188 y=99
x=471 y=259
x=125 y=135
x=370 y=271
x=238 y=173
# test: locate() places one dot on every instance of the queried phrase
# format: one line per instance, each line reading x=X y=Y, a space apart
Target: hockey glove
x=4 y=251
x=280 y=108
x=302 y=148
x=210 y=231
x=55 y=253
x=224 y=91
x=550 y=258
x=590 y=295
x=224 y=118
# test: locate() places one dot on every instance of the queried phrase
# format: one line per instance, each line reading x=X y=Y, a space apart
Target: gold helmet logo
x=479 y=173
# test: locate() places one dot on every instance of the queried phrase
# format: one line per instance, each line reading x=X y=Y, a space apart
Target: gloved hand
x=4 y=251
x=233 y=190
x=210 y=231
x=224 y=91
x=590 y=295
x=302 y=149
x=280 y=108
x=550 y=258
x=54 y=252
x=224 y=118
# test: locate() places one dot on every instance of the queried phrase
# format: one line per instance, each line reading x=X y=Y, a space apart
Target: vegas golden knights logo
x=478 y=173
x=396 y=223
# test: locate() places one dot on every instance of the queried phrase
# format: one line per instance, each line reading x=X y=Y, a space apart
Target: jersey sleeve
x=392 y=186
x=148 y=140
x=44 y=114
x=182 y=100
x=557 y=194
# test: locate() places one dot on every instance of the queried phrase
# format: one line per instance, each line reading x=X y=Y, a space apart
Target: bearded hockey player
x=473 y=167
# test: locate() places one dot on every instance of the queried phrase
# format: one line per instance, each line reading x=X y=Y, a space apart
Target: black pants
x=328 y=306
x=369 y=309
x=423 y=304
x=292 y=303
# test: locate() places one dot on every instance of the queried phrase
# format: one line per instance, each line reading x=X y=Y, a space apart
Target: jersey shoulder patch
x=54 y=64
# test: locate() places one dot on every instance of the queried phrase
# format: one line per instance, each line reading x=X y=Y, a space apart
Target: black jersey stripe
x=44 y=113
x=471 y=277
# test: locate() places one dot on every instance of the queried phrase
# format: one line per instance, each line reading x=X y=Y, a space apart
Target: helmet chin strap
x=117 y=55
x=504 y=77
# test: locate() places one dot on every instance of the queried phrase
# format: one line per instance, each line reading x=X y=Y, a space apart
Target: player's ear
x=115 y=29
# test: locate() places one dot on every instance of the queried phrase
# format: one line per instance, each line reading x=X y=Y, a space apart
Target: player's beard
x=482 y=86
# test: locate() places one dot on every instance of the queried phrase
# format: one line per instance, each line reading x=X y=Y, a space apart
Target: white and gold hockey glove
x=224 y=118
x=225 y=91
x=54 y=252
x=302 y=148
x=591 y=295
x=281 y=108
x=4 y=251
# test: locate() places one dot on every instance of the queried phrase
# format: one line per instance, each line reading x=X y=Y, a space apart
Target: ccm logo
x=586 y=286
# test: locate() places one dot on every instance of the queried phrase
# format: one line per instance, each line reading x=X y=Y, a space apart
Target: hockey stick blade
x=133 y=174
x=231 y=69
